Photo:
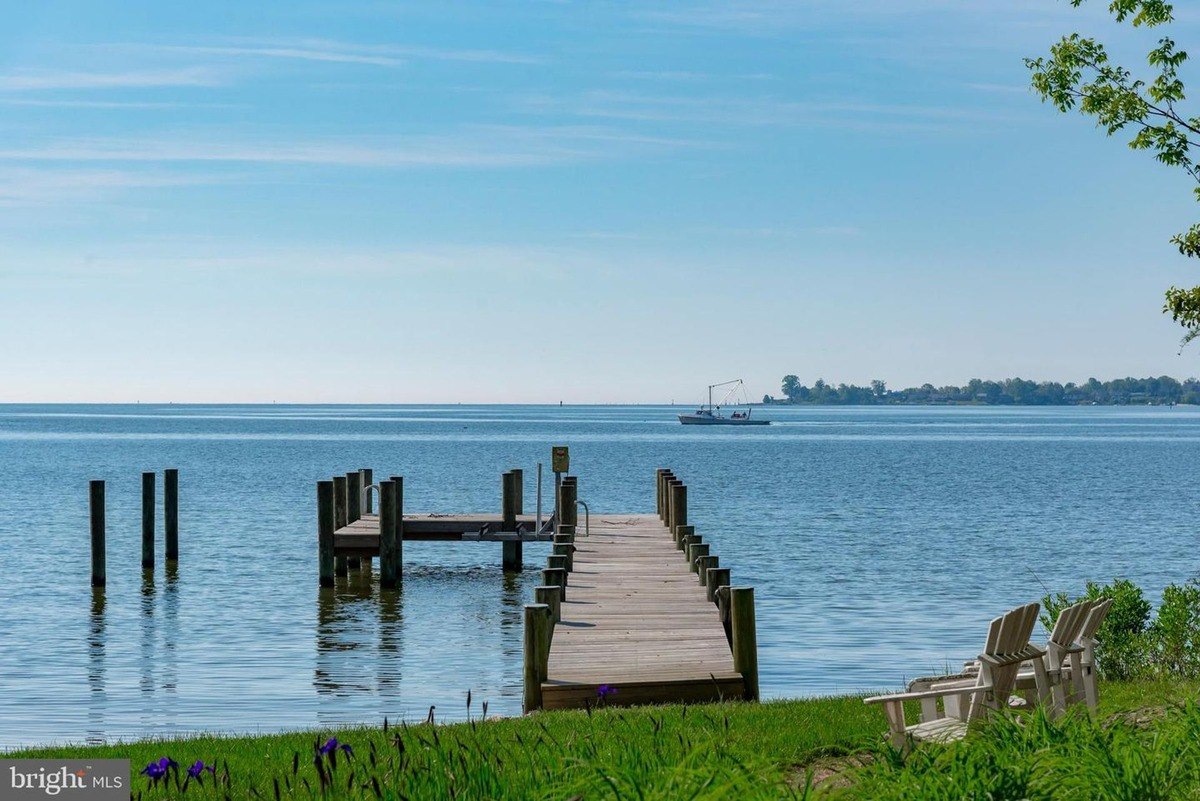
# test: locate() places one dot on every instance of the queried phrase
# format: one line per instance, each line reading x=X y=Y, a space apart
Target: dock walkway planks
x=636 y=618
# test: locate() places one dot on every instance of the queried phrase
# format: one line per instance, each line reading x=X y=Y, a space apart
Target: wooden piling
x=549 y=595
x=703 y=565
x=681 y=535
x=536 y=652
x=96 y=524
x=695 y=551
x=565 y=550
x=658 y=490
x=353 y=508
x=171 y=513
x=557 y=561
x=399 y=557
x=148 y=480
x=512 y=559
x=519 y=488
x=368 y=478
x=723 y=613
x=558 y=577
x=745 y=640
x=339 y=520
x=568 y=502
x=679 y=511
x=389 y=529
x=325 y=528
x=717 y=577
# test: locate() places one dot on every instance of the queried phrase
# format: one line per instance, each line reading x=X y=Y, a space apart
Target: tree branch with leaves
x=1078 y=75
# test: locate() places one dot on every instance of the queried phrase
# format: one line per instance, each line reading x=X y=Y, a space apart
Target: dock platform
x=637 y=622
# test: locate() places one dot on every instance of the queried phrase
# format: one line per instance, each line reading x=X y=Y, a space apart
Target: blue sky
x=585 y=201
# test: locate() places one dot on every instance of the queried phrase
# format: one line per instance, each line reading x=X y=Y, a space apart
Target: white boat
x=709 y=414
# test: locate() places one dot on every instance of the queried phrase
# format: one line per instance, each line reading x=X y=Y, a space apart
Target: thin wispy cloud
x=329 y=50
x=480 y=147
x=758 y=112
x=40 y=187
x=43 y=80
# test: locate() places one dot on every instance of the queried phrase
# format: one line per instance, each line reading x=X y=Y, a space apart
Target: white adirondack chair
x=1083 y=677
x=1070 y=657
x=968 y=698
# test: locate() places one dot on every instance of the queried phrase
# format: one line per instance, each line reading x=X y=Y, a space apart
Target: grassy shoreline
x=768 y=750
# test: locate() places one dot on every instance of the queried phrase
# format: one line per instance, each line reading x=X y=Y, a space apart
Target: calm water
x=880 y=541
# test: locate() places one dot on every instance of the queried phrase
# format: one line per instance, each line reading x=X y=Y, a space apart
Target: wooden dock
x=637 y=622
x=637 y=611
x=633 y=608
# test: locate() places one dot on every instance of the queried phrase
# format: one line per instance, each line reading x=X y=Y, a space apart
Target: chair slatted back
x=1008 y=638
x=1070 y=623
x=1095 y=617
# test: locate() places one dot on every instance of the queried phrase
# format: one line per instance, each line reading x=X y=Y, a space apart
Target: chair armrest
x=1003 y=660
x=883 y=699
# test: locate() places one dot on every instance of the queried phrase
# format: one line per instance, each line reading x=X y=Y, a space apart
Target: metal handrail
x=365 y=496
x=587 y=518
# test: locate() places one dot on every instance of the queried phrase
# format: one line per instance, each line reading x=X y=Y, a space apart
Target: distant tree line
x=1009 y=392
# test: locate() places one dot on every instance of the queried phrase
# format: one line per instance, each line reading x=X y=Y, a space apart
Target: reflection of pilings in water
x=97 y=696
x=391 y=621
x=170 y=660
x=149 y=632
x=512 y=610
x=339 y=630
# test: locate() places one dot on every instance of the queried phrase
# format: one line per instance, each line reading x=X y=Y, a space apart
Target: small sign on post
x=560 y=459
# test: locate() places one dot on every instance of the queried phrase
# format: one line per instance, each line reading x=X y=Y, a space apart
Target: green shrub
x=1122 y=650
x=1174 y=636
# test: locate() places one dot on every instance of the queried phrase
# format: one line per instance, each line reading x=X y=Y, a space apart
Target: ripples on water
x=880 y=541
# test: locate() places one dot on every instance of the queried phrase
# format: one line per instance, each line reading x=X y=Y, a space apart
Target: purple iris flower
x=156 y=770
x=332 y=745
x=196 y=770
x=605 y=690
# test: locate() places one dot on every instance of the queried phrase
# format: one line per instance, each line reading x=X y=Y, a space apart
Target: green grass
x=743 y=751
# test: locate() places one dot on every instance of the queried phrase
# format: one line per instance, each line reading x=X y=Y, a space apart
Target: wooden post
x=687 y=543
x=339 y=519
x=549 y=595
x=567 y=551
x=723 y=613
x=399 y=558
x=667 y=480
x=658 y=491
x=148 y=520
x=512 y=557
x=745 y=641
x=681 y=535
x=557 y=576
x=679 y=510
x=96 y=521
x=388 y=530
x=703 y=565
x=717 y=577
x=695 y=551
x=537 y=650
x=171 y=512
x=353 y=508
x=325 y=522
x=519 y=489
x=571 y=501
x=368 y=478
x=556 y=561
